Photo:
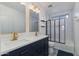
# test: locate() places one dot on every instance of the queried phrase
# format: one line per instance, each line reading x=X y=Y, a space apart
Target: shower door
x=56 y=29
x=62 y=29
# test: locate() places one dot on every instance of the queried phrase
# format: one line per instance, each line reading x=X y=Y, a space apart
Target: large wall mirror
x=12 y=17
x=34 y=21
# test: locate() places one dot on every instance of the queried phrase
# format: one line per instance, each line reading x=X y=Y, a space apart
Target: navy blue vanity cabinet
x=38 y=48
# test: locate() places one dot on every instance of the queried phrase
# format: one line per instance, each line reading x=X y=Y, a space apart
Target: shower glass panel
x=62 y=29
x=52 y=30
x=57 y=30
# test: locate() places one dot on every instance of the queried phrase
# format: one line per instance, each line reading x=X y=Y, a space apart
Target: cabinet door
x=14 y=53
x=43 y=47
x=39 y=48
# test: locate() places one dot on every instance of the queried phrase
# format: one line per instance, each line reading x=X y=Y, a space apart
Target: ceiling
x=56 y=6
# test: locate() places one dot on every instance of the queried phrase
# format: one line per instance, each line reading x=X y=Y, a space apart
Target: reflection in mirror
x=34 y=19
x=12 y=18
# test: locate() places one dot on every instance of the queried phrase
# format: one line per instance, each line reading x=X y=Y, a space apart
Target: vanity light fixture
x=34 y=8
x=37 y=10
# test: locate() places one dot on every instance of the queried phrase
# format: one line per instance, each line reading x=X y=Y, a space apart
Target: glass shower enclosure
x=56 y=29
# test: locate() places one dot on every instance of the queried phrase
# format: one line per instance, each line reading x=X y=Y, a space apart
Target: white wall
x=76 y=28
x=42 y=17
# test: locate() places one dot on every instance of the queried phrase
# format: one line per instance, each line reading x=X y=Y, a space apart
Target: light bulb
x=37 y=10
x=34 y=8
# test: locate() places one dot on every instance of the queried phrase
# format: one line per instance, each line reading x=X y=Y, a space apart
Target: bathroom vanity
x=29 y=46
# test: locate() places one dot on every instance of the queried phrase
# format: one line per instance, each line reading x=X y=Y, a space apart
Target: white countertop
x=7 y=45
